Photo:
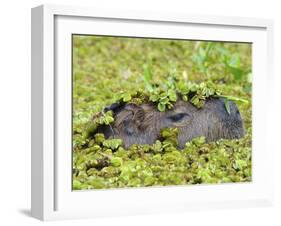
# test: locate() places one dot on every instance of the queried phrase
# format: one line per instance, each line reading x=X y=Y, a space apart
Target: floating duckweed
x=116 y=161
x=108 y=70
x=146 y=165
x=99 y=138
x=112 y=143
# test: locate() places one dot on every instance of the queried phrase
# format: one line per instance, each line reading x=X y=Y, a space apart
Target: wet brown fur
x=142 y=124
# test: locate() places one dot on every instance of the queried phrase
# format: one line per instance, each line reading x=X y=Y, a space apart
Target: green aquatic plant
x=162 y=163
x=165 y=96
x=131 y=70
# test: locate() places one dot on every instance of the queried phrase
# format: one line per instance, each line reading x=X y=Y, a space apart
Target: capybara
x=141 y=124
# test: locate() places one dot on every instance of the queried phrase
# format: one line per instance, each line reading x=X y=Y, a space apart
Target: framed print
x=136 y=112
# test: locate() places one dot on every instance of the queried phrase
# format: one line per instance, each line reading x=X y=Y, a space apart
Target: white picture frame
x=52 y=197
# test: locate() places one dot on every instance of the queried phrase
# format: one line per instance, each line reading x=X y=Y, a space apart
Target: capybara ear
x=129 y=119
x=138 y=113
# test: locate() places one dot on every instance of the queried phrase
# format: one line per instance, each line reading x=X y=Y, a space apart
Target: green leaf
x=99 y=138
x=147 y=77
x=185 y=97
x=116 y=161
x=153 y=97
x=172 y=95
x=227 y=107
x=113 y=143
x=127 y=97
x=98 y=182
x=148 y=181
x=108 y=119
x=234 y=98
x=161 y=107
x=157 y=146
x=76 y=185
x=234 y=61
x=249 y=77
x=237 y=72
x=164 y=100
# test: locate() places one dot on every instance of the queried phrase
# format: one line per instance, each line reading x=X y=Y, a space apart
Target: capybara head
x=141 y=124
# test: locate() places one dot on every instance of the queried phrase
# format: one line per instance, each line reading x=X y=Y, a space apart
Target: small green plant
x=112 y=144
x=209 y=53
x=203 y=58
x=233 y=65
x=165 y=96
x=110 y=165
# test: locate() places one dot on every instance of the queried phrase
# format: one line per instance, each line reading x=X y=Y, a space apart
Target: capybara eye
x=178 y=117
